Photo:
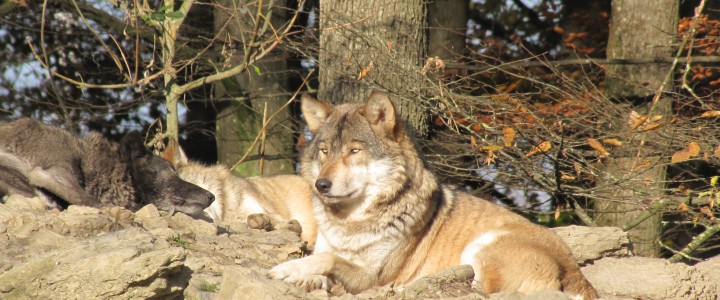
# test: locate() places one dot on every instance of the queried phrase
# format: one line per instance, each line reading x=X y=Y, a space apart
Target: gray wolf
x=265 y=202
x=383 y=216
x=37 y=160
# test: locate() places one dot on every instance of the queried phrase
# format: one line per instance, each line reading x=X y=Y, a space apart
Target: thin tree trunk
x=385 y=38
x=633 y=180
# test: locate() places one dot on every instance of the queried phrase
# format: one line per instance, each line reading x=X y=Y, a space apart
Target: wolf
x=384 y=217
x=37 y=160
x=280 y=201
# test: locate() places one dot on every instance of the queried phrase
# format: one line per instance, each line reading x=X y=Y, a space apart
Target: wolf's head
x=359 y=154
x=157 y=182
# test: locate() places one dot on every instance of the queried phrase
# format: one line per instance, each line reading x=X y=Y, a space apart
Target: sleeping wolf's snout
x=323 y=185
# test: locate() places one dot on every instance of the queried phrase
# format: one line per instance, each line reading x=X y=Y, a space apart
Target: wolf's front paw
x=294 y=273
x=259 y=221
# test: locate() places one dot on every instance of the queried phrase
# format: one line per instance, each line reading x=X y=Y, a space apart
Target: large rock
x=593 y=243
x=648 y=278
x=125 y=264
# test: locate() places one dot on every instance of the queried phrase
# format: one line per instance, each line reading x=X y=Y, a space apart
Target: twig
x=696 y=242
x=652 y=210
x=525 y=63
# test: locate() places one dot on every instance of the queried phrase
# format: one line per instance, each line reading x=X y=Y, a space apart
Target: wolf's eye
x=324 y=150
x=354 y=150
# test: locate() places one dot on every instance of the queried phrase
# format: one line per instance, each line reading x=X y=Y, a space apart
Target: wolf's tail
x=574 y=283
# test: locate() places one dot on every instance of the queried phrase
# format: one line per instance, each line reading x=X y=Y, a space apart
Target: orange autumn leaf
x=612 y=142
x=694 y=149
x=512 y=86
x=508 y=136
x=541 y=148
x=652 y=126
x=492 y=148
x=566 y=177
x=595 y=144
x=691 y=151
x=710 y=114
x=473 y=142
x=365 y=70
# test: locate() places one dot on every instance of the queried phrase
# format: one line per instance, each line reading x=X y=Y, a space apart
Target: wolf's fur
x=383 y=217
x=40 y=160
x=282 y=198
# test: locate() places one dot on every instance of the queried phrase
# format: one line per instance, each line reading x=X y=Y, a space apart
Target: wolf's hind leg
x=527 y=270
x=61 y=183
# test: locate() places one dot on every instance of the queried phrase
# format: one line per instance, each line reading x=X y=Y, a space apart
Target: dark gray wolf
x=37 y=160
x=383 y=217
x=262 y=201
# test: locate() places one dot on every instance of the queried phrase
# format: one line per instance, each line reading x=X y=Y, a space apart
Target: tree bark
x=635 y=179
x=243 y=98
x=373 y=44
x=447 y=23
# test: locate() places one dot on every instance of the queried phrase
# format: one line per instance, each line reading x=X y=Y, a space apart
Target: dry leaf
x=683 y=207
x=490 y=158
x=710 y=114
x=542 y=147
x=566 y=177
x=557 y=213
x=716 y=153
x=694 y=149
x=680 y=156
x=365 y=70
x=691 y=151
x=612 y=142
x=473 y=143
x=707 y=212
x=652 y=126
x=508 y=136
x=656 y=118
x=545 y=146
x=492 y=148
x=597 y=146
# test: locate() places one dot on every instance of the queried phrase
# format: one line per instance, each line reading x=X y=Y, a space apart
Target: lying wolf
x=383 y=217
x=264 y=201
x=44 y=161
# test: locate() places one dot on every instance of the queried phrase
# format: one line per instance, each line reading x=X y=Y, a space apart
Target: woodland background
x=569 y=112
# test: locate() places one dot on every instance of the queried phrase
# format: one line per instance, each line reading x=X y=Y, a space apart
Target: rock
x=148 y=211
x=123 y=264
x=246 y=283
x=648 y=278
x=591 y=243
x=710 y=269
x=196 y=227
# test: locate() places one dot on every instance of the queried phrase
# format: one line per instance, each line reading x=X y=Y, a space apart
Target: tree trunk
x=447 y=23
x=635 y=179
x=242 y=99
x=371 y=44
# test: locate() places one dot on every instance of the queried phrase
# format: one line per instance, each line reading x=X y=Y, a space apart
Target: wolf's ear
x=380 y=112
x=174 y=154
x=315 y=112
x=132 y=147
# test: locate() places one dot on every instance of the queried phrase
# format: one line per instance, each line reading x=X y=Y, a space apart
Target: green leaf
x=257 y=69
x=175 y=15
x=713 y=181
x=157 y=16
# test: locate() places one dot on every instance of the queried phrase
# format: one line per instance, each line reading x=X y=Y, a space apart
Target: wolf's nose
x=210 y=197
x=323 y=185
